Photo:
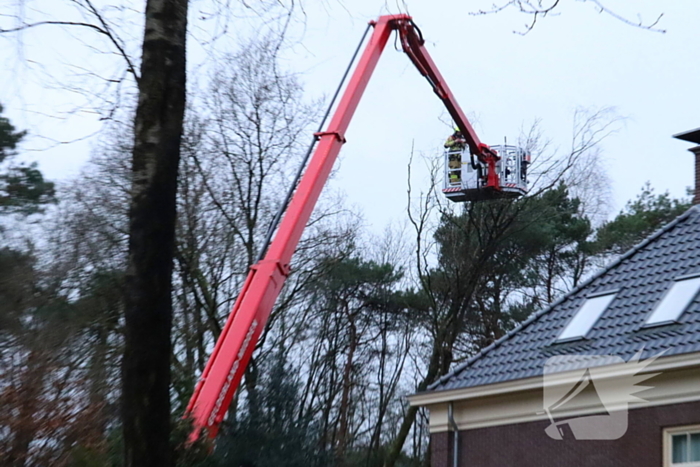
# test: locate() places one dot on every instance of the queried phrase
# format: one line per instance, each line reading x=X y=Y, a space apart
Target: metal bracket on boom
x=283 y=269
x=337 y=135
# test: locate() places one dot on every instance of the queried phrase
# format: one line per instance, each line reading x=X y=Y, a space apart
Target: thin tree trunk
x=29 y=393
x=345 y=396
x=148 y=310
x=440 y=360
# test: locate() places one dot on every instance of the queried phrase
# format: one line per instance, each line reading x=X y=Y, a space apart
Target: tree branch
x=101 y=30
x=536 y=9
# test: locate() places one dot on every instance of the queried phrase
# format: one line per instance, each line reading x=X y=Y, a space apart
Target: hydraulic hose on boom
x=226 y=366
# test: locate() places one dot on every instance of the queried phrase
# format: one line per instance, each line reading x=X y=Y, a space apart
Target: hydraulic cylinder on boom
x=490 y=174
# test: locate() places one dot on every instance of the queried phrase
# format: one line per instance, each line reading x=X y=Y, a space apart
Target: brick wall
x=441 y=449
x=527 y=445
x=696 y=152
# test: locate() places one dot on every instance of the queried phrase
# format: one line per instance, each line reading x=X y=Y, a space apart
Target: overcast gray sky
x=504 y=81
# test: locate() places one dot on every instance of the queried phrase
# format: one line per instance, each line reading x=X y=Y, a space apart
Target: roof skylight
x=586 y=316
x=674 y=303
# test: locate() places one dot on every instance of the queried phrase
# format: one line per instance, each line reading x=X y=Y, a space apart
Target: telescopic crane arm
x=412 y=43
x=226 y=366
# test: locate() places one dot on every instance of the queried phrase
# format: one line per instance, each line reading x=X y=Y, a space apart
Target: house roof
x=641 y=277
x=692 y=136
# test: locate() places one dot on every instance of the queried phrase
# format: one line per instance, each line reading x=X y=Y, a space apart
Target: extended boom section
x=235 y=345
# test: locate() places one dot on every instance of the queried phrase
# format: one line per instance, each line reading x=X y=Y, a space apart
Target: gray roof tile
x=642 y=276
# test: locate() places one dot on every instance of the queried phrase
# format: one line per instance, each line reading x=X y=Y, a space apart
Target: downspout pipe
x=455 y=437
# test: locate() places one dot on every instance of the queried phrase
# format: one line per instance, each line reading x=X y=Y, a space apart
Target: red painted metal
x=412 y=44
x=227 y=363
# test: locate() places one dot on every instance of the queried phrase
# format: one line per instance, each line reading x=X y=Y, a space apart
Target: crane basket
x=464 y=182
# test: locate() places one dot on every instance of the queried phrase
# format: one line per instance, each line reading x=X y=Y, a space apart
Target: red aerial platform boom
x=235 y=345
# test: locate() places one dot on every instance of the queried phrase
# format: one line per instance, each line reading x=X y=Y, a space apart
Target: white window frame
x=668 y=444
x=662 y=305
x=582 y=315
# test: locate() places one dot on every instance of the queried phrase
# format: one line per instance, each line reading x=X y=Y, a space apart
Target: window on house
x=682 y=446
x=586 y=316
x=674 y=303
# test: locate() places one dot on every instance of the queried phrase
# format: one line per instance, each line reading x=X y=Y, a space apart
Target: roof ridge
x=629 y=253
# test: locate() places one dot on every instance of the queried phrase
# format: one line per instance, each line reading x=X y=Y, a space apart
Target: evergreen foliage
x=22 y=186
x=273 y=435
x=9 y=137
x=640 y=217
